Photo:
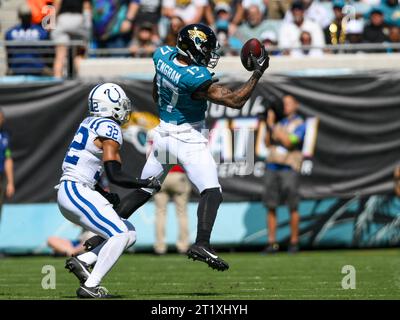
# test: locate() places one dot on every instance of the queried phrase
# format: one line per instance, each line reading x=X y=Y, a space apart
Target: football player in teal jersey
x=182 y=86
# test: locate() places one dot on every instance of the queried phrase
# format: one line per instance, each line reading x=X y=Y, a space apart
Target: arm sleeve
x=117 y=176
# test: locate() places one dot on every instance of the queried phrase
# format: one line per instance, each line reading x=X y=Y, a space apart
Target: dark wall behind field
x=357 y=147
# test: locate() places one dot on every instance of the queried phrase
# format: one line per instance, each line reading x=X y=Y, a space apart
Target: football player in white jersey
x=96 y=145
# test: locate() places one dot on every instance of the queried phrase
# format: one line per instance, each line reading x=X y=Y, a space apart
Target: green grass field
x=307 y=275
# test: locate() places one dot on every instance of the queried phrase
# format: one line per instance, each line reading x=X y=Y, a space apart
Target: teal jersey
x=176 y=83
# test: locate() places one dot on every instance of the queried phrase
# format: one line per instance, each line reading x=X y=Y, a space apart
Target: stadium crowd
x=286 y=27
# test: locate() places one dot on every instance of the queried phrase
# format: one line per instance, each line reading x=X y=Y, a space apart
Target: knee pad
x=132 y=238
x=131 y=234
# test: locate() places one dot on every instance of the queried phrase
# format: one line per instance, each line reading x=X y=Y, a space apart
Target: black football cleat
x=97 y=292
x=207 y=255
x=79 y=268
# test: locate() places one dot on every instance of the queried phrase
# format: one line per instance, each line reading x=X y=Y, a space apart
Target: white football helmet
x=110 y=100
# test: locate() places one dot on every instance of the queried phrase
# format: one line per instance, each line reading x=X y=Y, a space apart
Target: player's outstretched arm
x=113 y=168
x=222 y=95
x=235 y=99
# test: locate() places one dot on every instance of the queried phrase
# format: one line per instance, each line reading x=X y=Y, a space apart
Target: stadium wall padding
x=357 y=144
x=358 y=222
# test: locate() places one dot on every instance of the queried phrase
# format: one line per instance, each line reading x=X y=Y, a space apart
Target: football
x=253 y=46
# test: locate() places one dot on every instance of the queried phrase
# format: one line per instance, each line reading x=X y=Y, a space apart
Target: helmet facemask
x=122 y=113
x=206 y=57
x=212 y=57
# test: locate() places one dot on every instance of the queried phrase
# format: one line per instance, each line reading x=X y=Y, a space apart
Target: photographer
x=284 y=141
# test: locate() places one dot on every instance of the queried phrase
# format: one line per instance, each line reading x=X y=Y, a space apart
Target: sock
x=91 y=256
x=108 y=256
x=131 y=202
x=206 y=214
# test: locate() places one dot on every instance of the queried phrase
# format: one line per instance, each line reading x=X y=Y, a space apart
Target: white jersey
x=83 y=162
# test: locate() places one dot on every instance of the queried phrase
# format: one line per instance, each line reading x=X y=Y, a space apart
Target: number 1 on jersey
x=162 y=82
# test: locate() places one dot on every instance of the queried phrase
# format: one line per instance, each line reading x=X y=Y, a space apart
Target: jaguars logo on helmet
x=199 y=43
x=197 y=36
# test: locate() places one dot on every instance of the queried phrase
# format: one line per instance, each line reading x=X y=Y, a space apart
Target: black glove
x=261 y=64
x=153 y=183
x=113 y=198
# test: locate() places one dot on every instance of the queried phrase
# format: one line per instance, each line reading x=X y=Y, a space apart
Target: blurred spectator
x=374 y=30
x=261 y=4
x=334 y=33
x=191 y=11
x=176 y=24
x=7 y=187
x=289 y=35
x=69 y=248
x=177 y=186
x=73 y=23
x=37 y=9
x=391 y=11
x=222 y=17
x=394 y=34
x=277 y=8
x=254 y=24
x=25 y=60
x=354 y=33
x=396 y=176
x=312 y=11
x=306 y=40
x=394 y=37
x=371 y=2
x=270 y=39
x=113 y=22
x=233 y=8
x=230 y=45
x=284 y=140
x=149 y=11
x=143 y=45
